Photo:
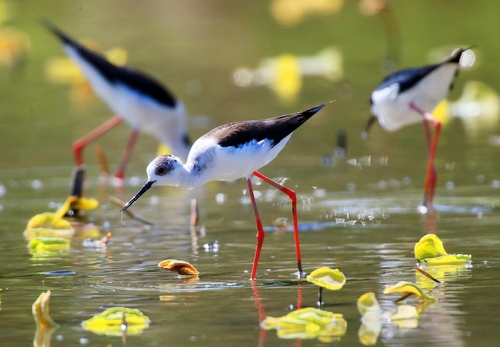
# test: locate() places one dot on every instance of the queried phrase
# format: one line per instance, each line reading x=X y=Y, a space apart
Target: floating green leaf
x=50 y=244
x=307 y=323
x=111 y=321
x=327 y=278
x=408 y=288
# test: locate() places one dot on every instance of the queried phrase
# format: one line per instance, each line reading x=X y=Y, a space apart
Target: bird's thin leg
x=431 y=176
x=126 y=154
x=430 y=183
x=260 y=230
x=80 y=144
x=293 y=198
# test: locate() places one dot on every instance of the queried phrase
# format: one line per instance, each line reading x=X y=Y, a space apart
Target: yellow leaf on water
x=48 y=225
x=327 y=278
x=404 y=287
x=110 y=322
x=181 y=267
x=307 y=323
x=429 y=246
x=430 y=250
x=41 y=310
x=451 y=259
x=41 y=244
x=48 y=220
x=368 y=304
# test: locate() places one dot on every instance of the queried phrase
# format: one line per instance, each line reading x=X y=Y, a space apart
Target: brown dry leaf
x=179 y=266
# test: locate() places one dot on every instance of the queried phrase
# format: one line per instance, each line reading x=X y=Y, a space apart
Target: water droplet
x=422 y=209
x=154 y=200
x=36 y=184
x=450 y=185
x=84 y=341
x=220 y=198
x=495 y=184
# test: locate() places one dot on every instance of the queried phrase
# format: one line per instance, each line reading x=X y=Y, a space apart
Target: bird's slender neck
x=186 y=176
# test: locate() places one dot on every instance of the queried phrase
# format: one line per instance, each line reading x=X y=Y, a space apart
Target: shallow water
x=357 y=213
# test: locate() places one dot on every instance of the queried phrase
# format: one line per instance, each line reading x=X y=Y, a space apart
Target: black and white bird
x=135 y=97
x=229 y=152
x=407 y=97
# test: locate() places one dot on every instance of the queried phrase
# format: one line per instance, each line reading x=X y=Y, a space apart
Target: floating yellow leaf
x=327 y=278
x=14 y=46
x=442 y=112
x=179 y=266
x=163 y=149
x=76 y=203
x=429 y=246
x=41 y=310
x=307 y=323
x=408 y=288
x=48 y=225
x=430 y=250
x=51 y=244
x=48 y=220
x=451 y=259
x=110 y=322
x=368 y=304
x=291 y=12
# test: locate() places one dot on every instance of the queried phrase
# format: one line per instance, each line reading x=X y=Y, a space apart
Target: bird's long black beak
x=369 y=124
x=138 y=195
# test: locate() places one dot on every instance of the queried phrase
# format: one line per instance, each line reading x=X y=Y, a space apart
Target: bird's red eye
x=161 y=171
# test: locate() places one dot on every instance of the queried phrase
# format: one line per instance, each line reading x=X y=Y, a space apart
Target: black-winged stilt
x=229 y=152
x=134 y=97
x=407 y=97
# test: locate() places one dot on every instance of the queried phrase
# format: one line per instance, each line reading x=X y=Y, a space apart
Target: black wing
x=407 y=78
x=116 y=74
x=237 y=134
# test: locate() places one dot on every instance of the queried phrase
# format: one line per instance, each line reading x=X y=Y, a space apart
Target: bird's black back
x=115 y=74
x=407 y=78
x=237 y=134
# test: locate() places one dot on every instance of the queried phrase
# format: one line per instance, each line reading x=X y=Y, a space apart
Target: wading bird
x=229 y=152
x=134 y=97
x=407 y=97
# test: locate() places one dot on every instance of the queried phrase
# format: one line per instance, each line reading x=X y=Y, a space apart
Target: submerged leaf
x=179 y=266
x=307 y=323
x=404 y=312
x=41 y=310
x=327 y=278
x=429 y=246
x=110 y=322
x=408 y=288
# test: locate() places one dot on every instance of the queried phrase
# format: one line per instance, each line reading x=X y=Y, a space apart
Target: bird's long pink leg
x=293 y=198
x=126 y=154
x=431 y=175
x=80 y=144
x=260 y=230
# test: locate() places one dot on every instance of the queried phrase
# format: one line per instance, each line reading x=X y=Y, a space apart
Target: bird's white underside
x=219 y=163
x=392 y=109
x=141 y=112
